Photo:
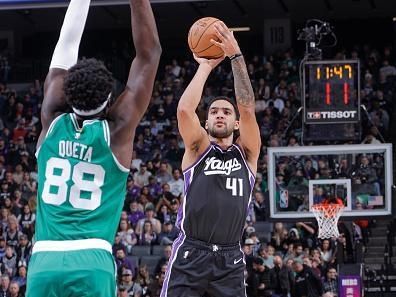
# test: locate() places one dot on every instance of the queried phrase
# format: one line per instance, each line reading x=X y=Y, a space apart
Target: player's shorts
x=75 y=273
x=196 y=268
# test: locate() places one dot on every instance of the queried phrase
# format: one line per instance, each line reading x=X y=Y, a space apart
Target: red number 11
x=345 y=93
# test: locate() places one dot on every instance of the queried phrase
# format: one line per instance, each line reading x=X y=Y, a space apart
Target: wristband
x=233 y=57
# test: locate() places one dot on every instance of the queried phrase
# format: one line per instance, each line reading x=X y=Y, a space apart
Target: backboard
x=359 y=175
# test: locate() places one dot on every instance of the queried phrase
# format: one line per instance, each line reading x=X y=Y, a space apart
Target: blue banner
x=349 y=286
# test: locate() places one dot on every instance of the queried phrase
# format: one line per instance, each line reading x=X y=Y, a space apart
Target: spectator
x=306 y=282
x=141 y=177
x=154 y=187
x=149 y=216
x=174 y=209
x=28 y=186
x=268 y=260
x=12 y=233
x=247 y=249
x=133 y=190
x=168 y=234
x=4 y=286
x=3 y=246
x=163 y=176
x=330 y=283
x=135 y=164
x=165 y=198
x=132 y=288
x=259 y=281
x=10 y=261
x=143 y=279
x=327 y=253
x=176 y=184
x=135 y=214
x=164 y=261
x=127 y=235
x=281 y=279
x=5 y=192
x=23 y=250
x=14 y=289
x=259 y=206
x=156 y=285
x=148 y=236
x=279 y=236
x=122 y=261
x=26 y=220
x=20 y=279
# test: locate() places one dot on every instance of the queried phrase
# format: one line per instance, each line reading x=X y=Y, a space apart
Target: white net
x=327 y=216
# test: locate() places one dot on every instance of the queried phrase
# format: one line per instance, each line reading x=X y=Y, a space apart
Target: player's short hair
x=230 y=100
x=88 y=84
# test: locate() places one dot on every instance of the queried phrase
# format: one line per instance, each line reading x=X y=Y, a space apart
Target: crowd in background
x=290 y=260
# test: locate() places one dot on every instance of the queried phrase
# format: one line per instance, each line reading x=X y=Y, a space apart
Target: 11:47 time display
x=331 y=88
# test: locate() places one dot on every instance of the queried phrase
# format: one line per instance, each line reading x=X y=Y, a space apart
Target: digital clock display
x=331 y=91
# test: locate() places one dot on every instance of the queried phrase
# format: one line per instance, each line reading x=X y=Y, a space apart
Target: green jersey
x=81 y=185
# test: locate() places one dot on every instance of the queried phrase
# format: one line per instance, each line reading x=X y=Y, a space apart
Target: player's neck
x=81 y=119
x=224 y=143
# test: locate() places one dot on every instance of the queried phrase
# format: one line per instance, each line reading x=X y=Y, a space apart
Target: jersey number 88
x=79 y=183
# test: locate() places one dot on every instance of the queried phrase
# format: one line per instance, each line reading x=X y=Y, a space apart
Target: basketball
x=199 y=36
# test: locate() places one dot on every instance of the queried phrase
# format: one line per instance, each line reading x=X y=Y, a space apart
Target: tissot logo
x=216 y=166
x=318 y=115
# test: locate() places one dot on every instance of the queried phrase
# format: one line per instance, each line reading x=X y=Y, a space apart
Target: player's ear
x=236 y=125
x=206 y=125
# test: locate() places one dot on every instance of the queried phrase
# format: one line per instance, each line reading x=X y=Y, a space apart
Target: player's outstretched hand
x=212 y=63
x=227 y=43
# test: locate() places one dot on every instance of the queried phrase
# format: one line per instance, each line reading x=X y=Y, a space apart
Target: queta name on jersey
x=75 y=150
x=216 y=166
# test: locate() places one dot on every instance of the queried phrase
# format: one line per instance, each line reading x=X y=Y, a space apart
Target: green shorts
x=82 y=273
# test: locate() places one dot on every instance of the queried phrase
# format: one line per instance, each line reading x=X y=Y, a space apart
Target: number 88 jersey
x=81 y=185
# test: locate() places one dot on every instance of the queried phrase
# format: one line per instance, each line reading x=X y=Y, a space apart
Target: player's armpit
x=193 y=134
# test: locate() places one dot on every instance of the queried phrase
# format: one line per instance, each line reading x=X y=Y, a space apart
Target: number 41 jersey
x=218 y=191
x=81 y=185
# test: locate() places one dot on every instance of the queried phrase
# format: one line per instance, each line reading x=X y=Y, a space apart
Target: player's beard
x=223 y=132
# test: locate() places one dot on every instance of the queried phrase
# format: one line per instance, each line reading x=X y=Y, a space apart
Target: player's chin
x=220 y=133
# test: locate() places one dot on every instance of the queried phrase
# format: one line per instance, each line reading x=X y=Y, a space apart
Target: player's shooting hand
x=212 y=63
x=227 y=43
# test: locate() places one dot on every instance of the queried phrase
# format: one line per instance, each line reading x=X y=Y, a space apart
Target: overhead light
x=240 y=29
x=394 y=19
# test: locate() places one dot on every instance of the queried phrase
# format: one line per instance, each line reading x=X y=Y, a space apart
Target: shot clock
x=331 y=92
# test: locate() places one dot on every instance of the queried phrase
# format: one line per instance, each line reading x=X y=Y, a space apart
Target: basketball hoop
x=327 y=216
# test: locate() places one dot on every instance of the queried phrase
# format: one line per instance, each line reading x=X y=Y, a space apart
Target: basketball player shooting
x=84 y=158
x=219 y=176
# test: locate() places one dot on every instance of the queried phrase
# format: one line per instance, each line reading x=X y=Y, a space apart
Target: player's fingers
x=224 y=26
x=216 y=43
x=220 y=32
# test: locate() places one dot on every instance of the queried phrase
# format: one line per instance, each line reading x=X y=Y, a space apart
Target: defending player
x=83 y=158
x=219 y=176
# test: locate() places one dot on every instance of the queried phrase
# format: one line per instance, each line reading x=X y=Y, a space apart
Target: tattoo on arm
x=243 y=87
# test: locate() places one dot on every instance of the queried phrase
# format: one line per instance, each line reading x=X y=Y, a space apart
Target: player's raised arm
x=64 y=57
x=249 y=138
x=130 y=107
x=194 y=135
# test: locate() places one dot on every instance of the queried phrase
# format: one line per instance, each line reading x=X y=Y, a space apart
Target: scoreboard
x=331 y=92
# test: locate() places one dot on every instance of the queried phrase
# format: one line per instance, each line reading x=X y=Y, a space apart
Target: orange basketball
x=199 y=36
